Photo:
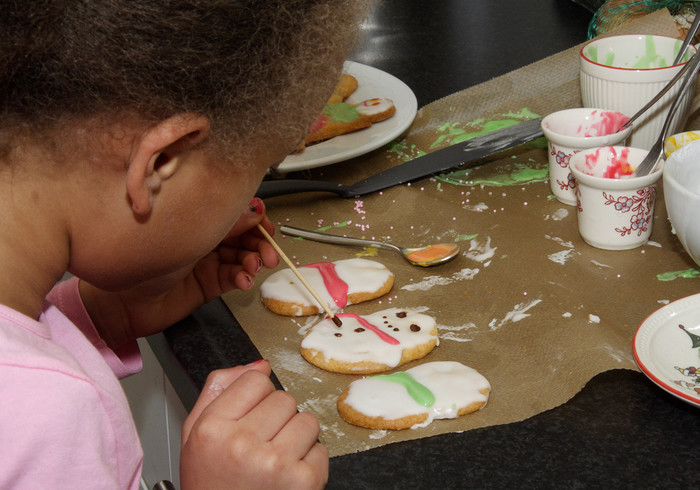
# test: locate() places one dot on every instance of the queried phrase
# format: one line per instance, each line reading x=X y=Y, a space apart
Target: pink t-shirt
x=65 y=422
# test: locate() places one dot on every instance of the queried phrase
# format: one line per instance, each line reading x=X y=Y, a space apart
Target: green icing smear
x=686 y=274
x=342 y=224
x=650 y=59
x=405 y=151
x=422 y=395
x=341 y=112
x=453 y=133
x=521 y=174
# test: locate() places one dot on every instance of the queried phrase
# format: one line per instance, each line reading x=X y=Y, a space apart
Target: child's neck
x=33 y=244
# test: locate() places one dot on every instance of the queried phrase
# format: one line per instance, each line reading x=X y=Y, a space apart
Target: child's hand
x=242 y=433
x=157 y=304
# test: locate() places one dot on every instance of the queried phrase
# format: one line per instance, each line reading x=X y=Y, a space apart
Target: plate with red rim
x=667 y=348
x=371 y=83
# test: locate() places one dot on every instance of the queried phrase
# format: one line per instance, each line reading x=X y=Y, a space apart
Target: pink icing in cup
x=609 y=163
x=572 y=130
x=615 y=209
x=602 y=123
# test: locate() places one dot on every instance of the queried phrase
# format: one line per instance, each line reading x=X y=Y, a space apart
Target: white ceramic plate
x=664 y=351
x=372 y=83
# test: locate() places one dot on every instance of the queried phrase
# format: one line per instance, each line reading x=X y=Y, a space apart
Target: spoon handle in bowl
x=340 y=240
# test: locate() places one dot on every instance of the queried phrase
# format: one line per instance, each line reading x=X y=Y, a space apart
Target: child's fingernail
x=254 y=363
x=259 y=265
x=248 y=280
x=256 y=205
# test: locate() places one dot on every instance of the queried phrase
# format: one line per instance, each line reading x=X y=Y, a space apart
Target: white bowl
x=682 y=196
x=623 y=73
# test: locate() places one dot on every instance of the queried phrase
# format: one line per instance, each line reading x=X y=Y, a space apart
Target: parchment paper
x=527 y=303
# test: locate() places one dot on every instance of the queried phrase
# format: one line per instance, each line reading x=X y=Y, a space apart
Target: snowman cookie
x=370 y=343
x=339 y=284
x=414 y=398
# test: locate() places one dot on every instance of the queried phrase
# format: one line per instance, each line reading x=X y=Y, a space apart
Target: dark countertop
x=621 y=431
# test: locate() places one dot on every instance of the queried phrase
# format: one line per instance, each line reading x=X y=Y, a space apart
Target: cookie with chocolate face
x=414 y=398
x=370 y=343
x=339 y=284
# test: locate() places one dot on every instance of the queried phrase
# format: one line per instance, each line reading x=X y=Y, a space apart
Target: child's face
x=192 y=213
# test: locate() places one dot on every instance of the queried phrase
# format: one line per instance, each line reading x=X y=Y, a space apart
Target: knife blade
x=431 y=163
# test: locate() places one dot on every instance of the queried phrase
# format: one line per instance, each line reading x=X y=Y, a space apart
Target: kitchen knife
x=431 y=163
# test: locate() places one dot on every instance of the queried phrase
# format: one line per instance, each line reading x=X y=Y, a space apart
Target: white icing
x=429 y=282
x=563 y=256
x=453 y=384
x=374 y=106
x=361 y=275
x=366 y=345
x=481 y=252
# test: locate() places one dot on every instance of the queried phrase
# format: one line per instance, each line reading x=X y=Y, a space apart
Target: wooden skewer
x=306 y=284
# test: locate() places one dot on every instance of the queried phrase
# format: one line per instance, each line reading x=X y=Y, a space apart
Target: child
x=133 y=136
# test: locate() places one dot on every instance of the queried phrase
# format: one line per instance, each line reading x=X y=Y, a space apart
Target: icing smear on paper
x=563 y=256
x=686 y=274
x=520 y=174
x=518 y=313
x=319 y=406
x=429 y=282
x=305 y=323
x=451 y=133
x=558 y=215
x=481 y=252
x=457 y=333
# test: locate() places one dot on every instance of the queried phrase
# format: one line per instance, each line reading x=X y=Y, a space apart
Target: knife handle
x=272 y=188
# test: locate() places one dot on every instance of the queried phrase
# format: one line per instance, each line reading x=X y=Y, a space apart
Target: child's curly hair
x=250 y=66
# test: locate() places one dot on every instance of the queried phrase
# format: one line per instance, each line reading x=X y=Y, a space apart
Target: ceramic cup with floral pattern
x=572 y=130
x=615 y=209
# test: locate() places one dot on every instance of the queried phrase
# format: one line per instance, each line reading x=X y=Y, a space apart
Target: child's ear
x=157 y=155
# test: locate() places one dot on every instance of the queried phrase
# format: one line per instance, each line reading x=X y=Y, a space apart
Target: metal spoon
x=421 y=256
x=689 y=36
x=649 y=162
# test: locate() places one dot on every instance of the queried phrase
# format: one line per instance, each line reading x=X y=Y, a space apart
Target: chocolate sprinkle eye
x=389 y=326
x=338 y=334
x=401 y=314
x=396 y=330
x=359 y=329
x=415 y=328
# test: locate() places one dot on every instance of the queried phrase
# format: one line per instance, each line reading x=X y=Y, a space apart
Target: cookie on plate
x=414 y=398
x=342 y=118
x=346 y=85
x=370 y=344
x=339 y=283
